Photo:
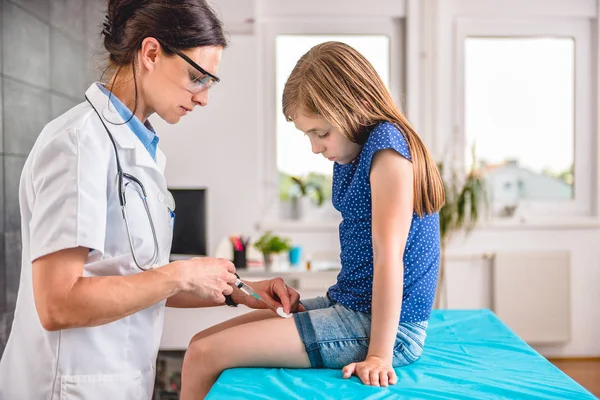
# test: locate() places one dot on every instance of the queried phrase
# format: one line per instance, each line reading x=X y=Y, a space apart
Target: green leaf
x=463 y=202
x=270 y=243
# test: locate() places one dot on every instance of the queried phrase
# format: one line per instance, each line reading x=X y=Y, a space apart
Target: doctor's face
x=183 y=81
x=327 y=140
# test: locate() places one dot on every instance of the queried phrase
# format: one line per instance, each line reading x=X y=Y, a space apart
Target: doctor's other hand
x=275 y=292
x=208 y=278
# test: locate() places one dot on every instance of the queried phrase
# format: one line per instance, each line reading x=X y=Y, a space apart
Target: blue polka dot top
x=351 y=195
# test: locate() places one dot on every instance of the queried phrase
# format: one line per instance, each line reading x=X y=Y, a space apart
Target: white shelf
x=255 y=275
x=541 y=223
x=300 y=226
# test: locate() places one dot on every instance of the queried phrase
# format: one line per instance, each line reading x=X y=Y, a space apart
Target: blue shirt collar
x=145 y=133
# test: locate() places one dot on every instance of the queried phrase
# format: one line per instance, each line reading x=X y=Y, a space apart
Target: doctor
x=96 y=218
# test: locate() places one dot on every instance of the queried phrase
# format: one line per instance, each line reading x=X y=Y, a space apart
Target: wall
x=46 y=66
x=216 y=147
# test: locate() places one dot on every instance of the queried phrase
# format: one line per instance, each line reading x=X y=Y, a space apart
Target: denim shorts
x=335 y=336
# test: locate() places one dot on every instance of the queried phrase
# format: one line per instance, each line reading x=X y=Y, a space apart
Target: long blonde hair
x=337 y=83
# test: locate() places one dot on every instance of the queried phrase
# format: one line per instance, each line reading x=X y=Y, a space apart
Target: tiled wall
x=49 y=55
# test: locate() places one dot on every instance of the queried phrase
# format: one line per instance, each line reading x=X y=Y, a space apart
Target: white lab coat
x=68 y=198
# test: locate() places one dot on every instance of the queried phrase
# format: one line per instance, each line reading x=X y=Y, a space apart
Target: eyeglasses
x=200 y=83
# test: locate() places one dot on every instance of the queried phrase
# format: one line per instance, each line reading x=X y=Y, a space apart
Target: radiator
x=531 y=294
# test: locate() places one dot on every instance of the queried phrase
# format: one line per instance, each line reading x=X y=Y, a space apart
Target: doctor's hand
x=276 y=293
x=208 y=278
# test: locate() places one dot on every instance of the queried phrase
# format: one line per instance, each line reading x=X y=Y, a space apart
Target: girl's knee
x=199 y=355
x=197 y=337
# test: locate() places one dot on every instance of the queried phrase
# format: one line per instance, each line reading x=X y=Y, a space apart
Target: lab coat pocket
x=102 y=387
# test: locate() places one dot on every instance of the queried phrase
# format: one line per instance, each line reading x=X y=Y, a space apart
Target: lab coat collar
x=124 y=137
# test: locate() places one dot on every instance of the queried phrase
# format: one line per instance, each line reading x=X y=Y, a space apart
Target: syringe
x=250 y=292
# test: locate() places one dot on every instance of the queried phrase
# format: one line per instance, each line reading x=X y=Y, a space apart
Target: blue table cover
x=469 y=354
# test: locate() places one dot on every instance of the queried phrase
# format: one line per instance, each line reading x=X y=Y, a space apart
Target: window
x=525 y=115
x=294 y=155
x=519 y=117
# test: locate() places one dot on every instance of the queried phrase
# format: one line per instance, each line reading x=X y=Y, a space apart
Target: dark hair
x=182 y=24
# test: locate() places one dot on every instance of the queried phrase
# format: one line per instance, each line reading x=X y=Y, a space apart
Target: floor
x=584 y=371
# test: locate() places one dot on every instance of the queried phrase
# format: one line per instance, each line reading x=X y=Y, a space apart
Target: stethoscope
x=121 y=176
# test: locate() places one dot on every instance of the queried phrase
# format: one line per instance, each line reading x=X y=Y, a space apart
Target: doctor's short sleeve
x=69 y=177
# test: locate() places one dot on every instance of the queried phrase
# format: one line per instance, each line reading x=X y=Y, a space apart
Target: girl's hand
x=374 y=371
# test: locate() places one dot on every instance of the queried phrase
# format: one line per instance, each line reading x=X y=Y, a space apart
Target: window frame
x=584 y=200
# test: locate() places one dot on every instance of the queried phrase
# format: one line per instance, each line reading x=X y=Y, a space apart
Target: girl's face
x=175 y=86
x=326 y=140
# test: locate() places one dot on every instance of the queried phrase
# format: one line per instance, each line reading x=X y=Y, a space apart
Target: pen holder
x=239 y=259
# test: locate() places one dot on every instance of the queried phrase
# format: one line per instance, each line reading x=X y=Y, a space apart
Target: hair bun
x=119 y=13
x=181 y=23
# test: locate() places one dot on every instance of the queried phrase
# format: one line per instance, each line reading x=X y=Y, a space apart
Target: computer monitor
x=189 y=231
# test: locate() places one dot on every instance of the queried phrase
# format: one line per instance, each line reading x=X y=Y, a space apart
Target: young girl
x=389 y=191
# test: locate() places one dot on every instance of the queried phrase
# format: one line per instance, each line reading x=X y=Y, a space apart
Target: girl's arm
x=392 y=205
x=392 y=208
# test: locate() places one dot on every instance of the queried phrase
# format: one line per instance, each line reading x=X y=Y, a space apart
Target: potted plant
x=304 y=192
x=269 y=244
x=465 y=198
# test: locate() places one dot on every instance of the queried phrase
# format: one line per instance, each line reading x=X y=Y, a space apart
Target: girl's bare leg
x=242 y=319
x=271 y=342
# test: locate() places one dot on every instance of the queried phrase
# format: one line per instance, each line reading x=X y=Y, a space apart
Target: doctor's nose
x=201 y=98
